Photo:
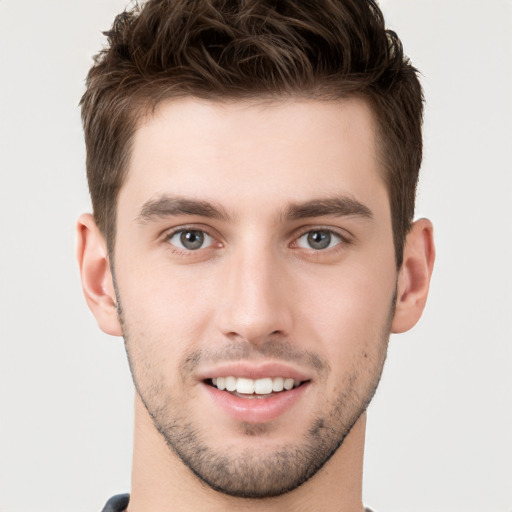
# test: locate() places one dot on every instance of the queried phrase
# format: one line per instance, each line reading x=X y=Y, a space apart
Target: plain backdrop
x=440 y=427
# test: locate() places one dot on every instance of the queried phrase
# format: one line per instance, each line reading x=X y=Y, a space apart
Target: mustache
x=280 y=350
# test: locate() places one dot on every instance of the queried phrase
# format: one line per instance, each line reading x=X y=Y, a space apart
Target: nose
x=255 y=298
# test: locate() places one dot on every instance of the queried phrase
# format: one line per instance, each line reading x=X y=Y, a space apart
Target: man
x=252 y=168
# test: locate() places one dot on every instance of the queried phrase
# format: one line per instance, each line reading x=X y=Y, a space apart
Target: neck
x=162 y=483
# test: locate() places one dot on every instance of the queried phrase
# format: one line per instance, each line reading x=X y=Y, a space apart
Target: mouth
x=244 y=387
x=255 y=393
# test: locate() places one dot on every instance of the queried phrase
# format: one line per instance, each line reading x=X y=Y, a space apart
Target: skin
x=258 y=291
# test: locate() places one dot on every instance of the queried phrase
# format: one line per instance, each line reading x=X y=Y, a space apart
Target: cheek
x=162 y=316
x=352 y=330
x=350 y=313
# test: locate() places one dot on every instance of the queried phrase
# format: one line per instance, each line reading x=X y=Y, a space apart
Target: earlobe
x=96 y=277
x=414 y=276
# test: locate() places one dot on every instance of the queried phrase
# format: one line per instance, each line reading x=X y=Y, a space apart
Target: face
x=255 y=277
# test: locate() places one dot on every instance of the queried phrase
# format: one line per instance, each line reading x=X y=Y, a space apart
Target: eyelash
x=184 y=229
x=344 y=240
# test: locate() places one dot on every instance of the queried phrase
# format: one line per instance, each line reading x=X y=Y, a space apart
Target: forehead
x=270 y=152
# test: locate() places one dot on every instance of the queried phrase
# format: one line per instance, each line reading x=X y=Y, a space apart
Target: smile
x=246 y=386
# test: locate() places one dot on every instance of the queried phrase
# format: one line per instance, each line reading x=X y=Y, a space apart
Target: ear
x=97 y=282
x=414 y=276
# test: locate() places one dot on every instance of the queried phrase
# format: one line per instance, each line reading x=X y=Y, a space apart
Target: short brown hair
x=241 y=49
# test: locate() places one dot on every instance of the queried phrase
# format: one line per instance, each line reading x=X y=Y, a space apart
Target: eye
x=190 y=239
x=319 y=239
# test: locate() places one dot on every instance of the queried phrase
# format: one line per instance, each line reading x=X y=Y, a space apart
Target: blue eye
x=319 y=239
x=190 y=239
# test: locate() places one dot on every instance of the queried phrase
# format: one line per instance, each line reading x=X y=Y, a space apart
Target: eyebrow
x=167 y=206
x=340 y=206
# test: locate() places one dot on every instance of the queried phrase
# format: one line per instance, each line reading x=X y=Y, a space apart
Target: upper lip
x=253 y=371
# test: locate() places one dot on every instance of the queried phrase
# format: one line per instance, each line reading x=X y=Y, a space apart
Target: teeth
x=263 y=386
x=288 y=384
x=246 y=386
x=230 y=383
x=278 y=384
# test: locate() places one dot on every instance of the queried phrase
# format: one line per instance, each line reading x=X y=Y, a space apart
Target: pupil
x=319 y=239
x=192 y=239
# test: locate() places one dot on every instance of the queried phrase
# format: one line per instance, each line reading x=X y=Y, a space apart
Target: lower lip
x=256 y=410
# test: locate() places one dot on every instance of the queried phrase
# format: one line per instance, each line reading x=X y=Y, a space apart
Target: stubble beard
x=249 y=474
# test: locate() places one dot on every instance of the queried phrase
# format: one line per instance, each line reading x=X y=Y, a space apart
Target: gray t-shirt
x=119 y=503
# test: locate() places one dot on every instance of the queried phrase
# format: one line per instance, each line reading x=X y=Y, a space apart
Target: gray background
x=440 y=429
